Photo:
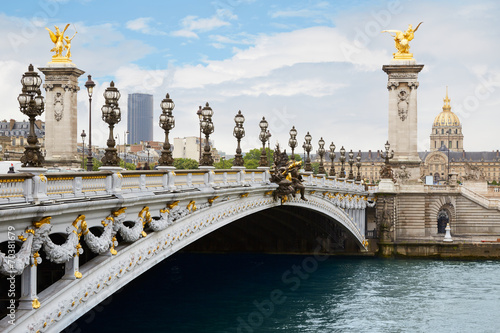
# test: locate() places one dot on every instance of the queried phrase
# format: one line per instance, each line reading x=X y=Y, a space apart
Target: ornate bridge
x=153 y=214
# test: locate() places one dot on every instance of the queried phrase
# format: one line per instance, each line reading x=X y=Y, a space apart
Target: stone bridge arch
x=67 y=300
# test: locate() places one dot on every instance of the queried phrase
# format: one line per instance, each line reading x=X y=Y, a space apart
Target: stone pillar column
x=29 y=299
x=61 y=133
x=402 y=85
x=71 y=268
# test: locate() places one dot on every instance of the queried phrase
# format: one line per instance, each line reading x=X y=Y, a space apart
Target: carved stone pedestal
x=402 y=85
x=61 y=134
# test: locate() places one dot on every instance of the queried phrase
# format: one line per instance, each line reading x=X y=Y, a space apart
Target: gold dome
x=446 y=117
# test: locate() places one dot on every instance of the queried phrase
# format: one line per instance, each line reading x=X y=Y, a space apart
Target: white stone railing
x=480 y=199
x=13 y=187
x=338 y=184
x=94 y=183
x=28 y=187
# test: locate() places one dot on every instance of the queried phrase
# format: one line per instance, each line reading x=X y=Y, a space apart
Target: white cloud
x=192 y=24
x=144 y=25
x=318 y=44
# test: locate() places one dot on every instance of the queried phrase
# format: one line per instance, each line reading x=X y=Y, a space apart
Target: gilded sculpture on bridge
x=61 y=43
x=286 y=174
x=402 y=42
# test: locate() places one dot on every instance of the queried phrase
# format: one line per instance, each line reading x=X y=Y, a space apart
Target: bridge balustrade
x=31 y=188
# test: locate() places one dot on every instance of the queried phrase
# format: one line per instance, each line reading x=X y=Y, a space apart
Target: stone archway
x=436 y=178
x=443 y=219
x=442 y=207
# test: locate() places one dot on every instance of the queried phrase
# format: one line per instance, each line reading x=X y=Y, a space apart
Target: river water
x=286 y=293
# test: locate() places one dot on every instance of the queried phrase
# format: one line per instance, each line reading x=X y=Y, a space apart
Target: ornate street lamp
x=321 y=153
x=387 y=156
x=386 y=172
x=358 y=165
x=268 y=135
x=31 y=104
x=263 y=137
x=292 y=142
x=238 y=133
x=332 y=157
x=148 y=147
x=90 y=90
x=125 y=135
x=308 y=148
x=208 y=128
x=83 y=135
x=449 y=147
x=167 y=122
x=111 y=114
x=200 y=117
x=342 y=161
x=351 y=162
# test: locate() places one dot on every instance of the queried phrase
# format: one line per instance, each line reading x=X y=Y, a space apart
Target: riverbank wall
x=439 y=250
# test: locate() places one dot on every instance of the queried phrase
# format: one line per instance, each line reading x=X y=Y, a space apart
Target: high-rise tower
x=140 y=118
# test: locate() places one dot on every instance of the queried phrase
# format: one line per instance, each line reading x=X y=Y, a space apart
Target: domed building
x=447 y=154
x=447 y=130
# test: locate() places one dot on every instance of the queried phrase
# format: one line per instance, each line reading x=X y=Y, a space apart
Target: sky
x=312 y=64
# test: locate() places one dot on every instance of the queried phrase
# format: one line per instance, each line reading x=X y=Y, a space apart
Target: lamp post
x=332 y=157
x=308 y=148
x=167 y=122
x=125 y=136
x=148 y=147
x=351 y=162
x=342 y=161
x=238 y=133
x=449 y=146
x=117 y=138
x=111 y=114
x=207 y=127
x=321 y=153
x=90 y=90
x=387 y=156
x=386 y=172
x=83 y=135
x=304 y=148
x=268 y=135
x=263 y=138
x=31 y=104
x=292 y=142
x=358 y=165
x=200 y=117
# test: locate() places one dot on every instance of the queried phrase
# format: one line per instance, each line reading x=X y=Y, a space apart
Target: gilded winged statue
x=58 y=40
x=402 y=40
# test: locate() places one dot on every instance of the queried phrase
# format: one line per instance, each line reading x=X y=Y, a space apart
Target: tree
x=315 y=166
x=127 y=166
x=96 y=164
x=252 y=158
x=185 y=163
x=224 y=164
